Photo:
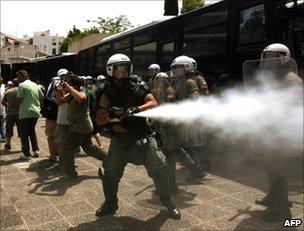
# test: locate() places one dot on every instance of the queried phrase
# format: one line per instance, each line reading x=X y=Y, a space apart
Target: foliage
x=113 y=25
x=189 y=5
x=76 y=34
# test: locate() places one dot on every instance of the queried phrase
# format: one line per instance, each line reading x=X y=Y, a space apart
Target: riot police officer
x=153 y=70
x=100 y=80
x=131 y=137
x=275 y=58
x=189 y=83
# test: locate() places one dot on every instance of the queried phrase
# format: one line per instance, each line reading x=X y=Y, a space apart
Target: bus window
x=126 y=52
x=146 y=37
x=206 y=41
x=90 y=61
x=103 y=49
x=167 y=55
x=103 y=53
x=168 y=32
x=252 y=25
x=206 y=19
x=83 y=60
x=122 y=44
x=143 y=56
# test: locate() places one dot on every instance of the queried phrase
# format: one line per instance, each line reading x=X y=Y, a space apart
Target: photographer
x=81 y=126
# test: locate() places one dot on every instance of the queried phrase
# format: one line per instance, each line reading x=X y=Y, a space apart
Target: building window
x=206 y=41
x=54 y=51
x=54 y=43
x=252 y=25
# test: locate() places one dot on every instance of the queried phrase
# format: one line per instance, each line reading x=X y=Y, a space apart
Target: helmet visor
x=175 y=67
x=122 y=67
x=272 y=54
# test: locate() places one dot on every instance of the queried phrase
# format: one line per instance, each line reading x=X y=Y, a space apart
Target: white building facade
x=46 y=42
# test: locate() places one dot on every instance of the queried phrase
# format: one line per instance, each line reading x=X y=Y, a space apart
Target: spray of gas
x=268 y=116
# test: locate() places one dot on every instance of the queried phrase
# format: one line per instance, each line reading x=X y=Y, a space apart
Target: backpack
x=49 y=109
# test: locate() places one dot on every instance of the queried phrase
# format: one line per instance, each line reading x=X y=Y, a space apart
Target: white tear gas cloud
x=268 y=116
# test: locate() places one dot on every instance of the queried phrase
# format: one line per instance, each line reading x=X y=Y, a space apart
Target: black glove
x=133 y=110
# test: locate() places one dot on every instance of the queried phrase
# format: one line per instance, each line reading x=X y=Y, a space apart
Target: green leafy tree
x=189 y=5
x=76 y=34
x=113 y=25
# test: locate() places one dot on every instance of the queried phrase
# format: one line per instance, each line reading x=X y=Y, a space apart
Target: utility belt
x=138 y=135
x=128 y=140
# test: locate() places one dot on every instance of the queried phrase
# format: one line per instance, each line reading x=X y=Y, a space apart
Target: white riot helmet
x=161 y=75
x=183 y=61
x=118 y=60
x=275 y=50
x=100 y=78
x=61 y=72
x=154 y=66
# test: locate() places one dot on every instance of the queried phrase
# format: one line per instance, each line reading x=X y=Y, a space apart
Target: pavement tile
x=83 y=168
x=41 y=216
x=205 y=212
x=8 y=170
x=31 y=202
x=91 y=222
x=219 y=201
x=5 y=198
x=64 y=199
x=249 y=196
x=54 y=225
x=228 y=188
x=230 y=223
x=75 y=208
x=16 y=228
x=17 y=193
x=95 y=201
x=205 y=193
x=230 y=204
x=14 y=176
x=15 y=183
x=10 y=216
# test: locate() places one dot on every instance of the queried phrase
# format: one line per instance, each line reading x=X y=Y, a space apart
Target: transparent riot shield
x=280 y=131
x=161 y=89
x=172 y=87
x=266 y=72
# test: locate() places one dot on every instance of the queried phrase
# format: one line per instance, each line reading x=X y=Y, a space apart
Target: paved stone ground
x=34 y=198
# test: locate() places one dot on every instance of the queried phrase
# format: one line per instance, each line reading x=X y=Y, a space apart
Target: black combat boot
x=279 y=209
x=265 y=201
x=111 y=201
x=163 y=184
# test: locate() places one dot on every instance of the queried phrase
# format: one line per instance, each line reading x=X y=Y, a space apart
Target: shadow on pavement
x=124 y=223
x=255 y=217
x=10 y=162
x=48 y=179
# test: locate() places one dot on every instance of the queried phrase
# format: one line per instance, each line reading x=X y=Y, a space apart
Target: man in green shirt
x=30 y=97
